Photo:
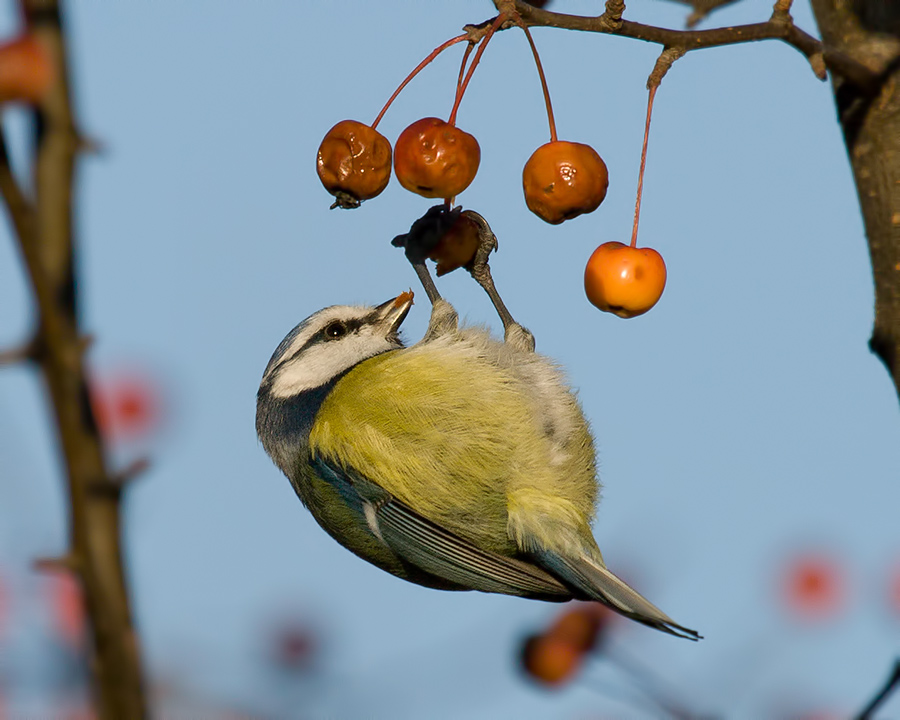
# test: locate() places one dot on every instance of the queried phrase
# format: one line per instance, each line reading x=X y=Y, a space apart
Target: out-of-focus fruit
x=25 y=70
x=126 y=406
x=550 y=660
x=813 y=586
x=68 y=610
x=581 y=625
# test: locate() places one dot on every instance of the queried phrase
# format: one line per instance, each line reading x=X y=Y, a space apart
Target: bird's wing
x=598 y=583
x=434 y=549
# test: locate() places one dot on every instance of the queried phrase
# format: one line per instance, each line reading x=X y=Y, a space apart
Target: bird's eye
x=335 y=330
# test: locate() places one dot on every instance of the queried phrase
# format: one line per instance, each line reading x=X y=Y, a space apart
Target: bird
x=460 y=462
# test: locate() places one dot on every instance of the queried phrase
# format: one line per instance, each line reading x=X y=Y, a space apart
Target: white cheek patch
x=323 y=361
x=313 y=369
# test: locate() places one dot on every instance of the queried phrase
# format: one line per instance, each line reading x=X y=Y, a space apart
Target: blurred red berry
x=67 y=607
x=555 y=656
x=296 y=647
x=26 y=71
x=4 y=612
x=126 y=406
x=581 y=625
x=894 y=590
x=813 y=586
x=550 y=660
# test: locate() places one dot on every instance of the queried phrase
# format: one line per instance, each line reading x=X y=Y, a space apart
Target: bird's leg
x=444 y=318
x=425 y=278
x=418 y=243
x=514 y=333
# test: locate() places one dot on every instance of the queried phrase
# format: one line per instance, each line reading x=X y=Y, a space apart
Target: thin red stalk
x=462 y=66
x=640 y=189
x=540 y=69
x=500 y=19
x=434 y=53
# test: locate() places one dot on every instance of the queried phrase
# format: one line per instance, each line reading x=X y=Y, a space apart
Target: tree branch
x=778 y=27
x=44 y=231
x=871 y=125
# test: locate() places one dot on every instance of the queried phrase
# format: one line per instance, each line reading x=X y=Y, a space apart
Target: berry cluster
x=436 y=159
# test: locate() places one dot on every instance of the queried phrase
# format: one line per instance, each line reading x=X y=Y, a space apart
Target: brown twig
x=773 y=29
x=869 y=31
x=43 y=227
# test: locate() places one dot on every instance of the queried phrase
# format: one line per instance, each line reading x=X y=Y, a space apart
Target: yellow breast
x=448 y=431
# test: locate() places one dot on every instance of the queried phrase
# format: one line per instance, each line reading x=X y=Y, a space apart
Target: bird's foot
x=514 y=333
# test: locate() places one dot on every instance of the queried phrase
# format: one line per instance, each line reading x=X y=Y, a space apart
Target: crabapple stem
x=540 y=69
x=461 y=90
x=462 y=66
x=434 y=53
x=640 y=188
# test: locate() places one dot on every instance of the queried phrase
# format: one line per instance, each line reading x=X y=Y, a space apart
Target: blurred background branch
x=43 y=228
x=882 y=695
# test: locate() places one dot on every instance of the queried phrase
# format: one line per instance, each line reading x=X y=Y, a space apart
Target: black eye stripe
x=338 y=329
x=349 y=325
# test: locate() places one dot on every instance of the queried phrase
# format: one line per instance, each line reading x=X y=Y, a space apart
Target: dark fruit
x=457 y=246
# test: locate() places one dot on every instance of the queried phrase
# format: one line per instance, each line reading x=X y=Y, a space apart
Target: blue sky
x=739 y=422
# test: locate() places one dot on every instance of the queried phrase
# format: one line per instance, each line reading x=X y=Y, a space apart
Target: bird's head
x=330 y=342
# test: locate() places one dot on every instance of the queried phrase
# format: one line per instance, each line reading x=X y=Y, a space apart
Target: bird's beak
x=390 y=315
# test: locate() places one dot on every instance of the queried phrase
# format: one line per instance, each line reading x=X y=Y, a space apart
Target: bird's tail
x=591 y=578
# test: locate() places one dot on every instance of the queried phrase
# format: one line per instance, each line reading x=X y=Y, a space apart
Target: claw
x=420 y=242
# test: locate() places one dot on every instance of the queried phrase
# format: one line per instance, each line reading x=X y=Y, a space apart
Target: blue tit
x=459 y=463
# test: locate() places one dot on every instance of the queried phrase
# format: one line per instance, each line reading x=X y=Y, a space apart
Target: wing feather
x=436 y=550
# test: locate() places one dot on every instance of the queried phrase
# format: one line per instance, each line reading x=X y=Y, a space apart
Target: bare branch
x=64 y=563
x=871 y=126
x=26 y=352
x=43 y=226
x=776 y=28
x=665 y=61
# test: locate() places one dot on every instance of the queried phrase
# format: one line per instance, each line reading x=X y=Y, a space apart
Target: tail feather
x=598 y=583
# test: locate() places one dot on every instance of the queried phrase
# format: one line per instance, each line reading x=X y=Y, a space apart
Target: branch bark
x=780 y=26
x=43 y=227
x=869 y=32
